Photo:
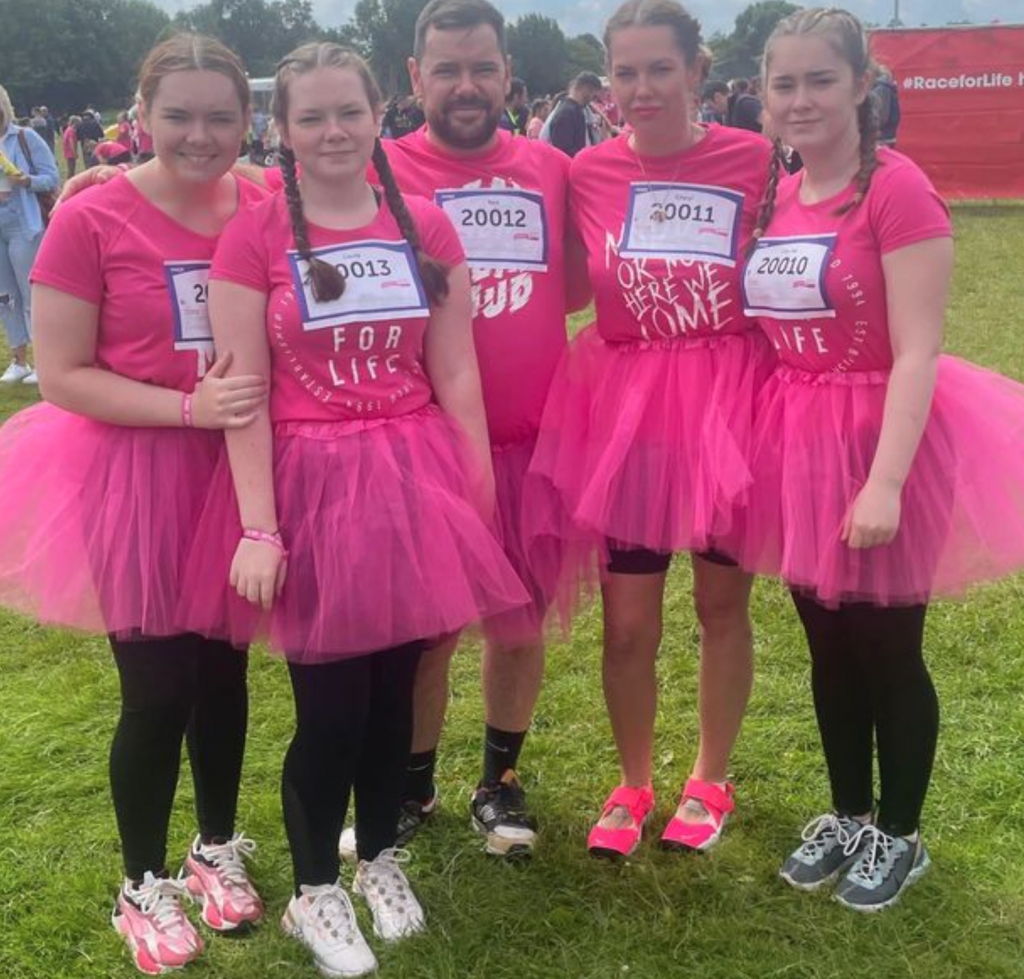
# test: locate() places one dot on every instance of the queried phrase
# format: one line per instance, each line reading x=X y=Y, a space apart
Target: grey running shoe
x=885 y=866
x=822 y=856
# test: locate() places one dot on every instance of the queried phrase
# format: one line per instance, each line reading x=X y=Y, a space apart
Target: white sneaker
x=15 y=373
x=410 y=820
x=347 y=844
x=381 y=883
x=323 y=919
x=30 y=377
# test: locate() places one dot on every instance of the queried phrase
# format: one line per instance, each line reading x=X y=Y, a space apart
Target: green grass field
x=724 y=916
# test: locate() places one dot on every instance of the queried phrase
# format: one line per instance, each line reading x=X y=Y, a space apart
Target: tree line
x=69 y=53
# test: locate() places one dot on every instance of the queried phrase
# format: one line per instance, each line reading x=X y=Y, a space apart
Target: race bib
x=690 y=221
x=500 y=228
x=382 y=282
x=785 y=278
x=188 y=287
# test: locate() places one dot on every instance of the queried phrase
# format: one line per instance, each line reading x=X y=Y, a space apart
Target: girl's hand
x=227 y=402
x=874 y=518
x=258 y=572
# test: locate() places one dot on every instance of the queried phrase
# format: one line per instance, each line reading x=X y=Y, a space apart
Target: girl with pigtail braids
x=884 y=472
x=362 y=495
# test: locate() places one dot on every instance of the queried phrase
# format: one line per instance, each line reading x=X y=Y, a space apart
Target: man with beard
x=507 y=199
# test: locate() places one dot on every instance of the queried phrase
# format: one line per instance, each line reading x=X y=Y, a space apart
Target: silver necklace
x=658 y=206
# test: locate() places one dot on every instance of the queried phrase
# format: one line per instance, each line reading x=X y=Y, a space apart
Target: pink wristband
x=186 y=410
x=264 y=538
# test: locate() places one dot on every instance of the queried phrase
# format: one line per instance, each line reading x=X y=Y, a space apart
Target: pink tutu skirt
x=553 y=563
x=962 y=514
x=648 y=443
x=97 y=519
x=384 y=545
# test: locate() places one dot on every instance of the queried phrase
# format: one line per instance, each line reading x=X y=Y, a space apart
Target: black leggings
x=353 y=731
x=180 y=687
x=871 y=686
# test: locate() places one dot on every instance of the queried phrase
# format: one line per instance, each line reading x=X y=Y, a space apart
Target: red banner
x=961 y=92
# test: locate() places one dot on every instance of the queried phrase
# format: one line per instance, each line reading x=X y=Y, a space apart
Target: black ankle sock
x=501 y=752
x=419 y=776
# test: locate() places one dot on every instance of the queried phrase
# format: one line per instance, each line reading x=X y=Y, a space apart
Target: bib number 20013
x=382 y=282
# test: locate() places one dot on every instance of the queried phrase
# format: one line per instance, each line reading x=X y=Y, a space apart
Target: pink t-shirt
x=815 y=281
x=69 y=140
x=362 y=355
x=109 y=150
x=110 y=246
x=665 y=235
x=508 y=206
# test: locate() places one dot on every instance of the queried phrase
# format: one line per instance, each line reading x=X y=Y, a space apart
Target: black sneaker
x=885 y=867
x=413 y=815
x=822 y=855
x=499 y=814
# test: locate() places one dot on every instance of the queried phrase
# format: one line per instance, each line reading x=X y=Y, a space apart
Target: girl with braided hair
x=362 y=497
x=884 y=472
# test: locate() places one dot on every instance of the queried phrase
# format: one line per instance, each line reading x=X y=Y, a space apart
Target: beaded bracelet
x=186 y=410
x=264 y=538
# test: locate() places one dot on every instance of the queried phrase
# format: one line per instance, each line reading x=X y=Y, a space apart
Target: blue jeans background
x=17 y=253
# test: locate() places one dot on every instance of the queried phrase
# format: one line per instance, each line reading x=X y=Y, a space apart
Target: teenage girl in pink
x=355 y=523
x=646 y=432
x=104 y=485
x=884 y=471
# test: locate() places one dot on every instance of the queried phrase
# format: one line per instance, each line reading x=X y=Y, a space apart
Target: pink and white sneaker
x=216 y=878
x=150 y=919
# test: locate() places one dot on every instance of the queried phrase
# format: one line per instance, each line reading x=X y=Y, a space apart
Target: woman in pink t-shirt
x=104 y=485
x=358 y=531
x=884 y=472
x=124 y=131
x=647 y=429
x=69 y=145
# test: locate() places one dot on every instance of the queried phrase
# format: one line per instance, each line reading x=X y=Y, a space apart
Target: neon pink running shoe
x=718 y=802
x=216 y=878
x=607 y=842
x=150 y=919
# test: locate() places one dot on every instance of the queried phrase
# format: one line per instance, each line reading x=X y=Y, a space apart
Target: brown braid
x=767 y=207
x=433 y=273
x=867 y=123
x=325 y=280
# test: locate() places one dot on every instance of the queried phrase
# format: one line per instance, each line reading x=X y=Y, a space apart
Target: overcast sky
x=582 y=16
